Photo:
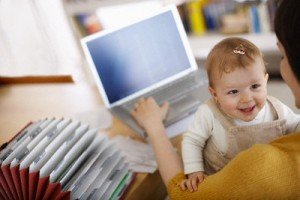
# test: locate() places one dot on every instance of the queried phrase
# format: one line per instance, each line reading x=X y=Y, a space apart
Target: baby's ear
x=267 y=76
x=213 y=93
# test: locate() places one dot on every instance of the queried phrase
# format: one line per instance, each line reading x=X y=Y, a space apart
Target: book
x=62 y=159
x=234 y=24
x=255 y=26
x=87 y=23
x=196 y=17
x=264 y=17
x=182 y=10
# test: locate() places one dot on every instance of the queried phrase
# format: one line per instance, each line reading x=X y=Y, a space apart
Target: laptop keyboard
x=173 y=91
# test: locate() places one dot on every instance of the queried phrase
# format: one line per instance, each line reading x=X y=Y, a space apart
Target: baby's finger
x=200 y=178
x=194 y=184
x=183 y=185
x=189 y=185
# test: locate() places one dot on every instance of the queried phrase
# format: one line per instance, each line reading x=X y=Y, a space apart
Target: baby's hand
x=192 y=182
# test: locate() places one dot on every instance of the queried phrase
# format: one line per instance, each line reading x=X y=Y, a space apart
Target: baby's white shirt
x=205 y=126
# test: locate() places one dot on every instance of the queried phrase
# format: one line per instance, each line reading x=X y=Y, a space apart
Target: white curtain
x=36 y=39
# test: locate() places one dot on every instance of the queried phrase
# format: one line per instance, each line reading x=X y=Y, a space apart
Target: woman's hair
x=230 y=54
x=287 y=29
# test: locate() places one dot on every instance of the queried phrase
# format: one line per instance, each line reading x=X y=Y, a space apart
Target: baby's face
x=242 y=93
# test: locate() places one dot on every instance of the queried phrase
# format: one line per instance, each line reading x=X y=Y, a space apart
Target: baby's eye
x=233 y=92
x=255 y=86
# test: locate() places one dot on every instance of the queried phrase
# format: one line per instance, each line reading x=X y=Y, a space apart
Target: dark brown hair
x=287 y=29
x=230 y=54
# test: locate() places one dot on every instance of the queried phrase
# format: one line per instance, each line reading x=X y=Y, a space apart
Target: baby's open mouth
x=247 y=110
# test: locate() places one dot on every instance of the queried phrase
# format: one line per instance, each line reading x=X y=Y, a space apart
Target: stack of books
x=62 y=159
x=229 y=17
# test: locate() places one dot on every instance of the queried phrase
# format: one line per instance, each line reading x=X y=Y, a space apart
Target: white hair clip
x=239 y=51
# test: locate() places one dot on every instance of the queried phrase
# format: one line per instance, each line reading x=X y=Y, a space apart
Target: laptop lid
x=132 y=60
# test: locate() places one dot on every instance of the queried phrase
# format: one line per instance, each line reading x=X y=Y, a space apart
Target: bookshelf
x=80 y=6
x=266 y=42
x=203 y=39
x=202 y=45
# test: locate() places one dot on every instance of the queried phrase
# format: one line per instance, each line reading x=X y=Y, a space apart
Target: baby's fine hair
x=230 y=54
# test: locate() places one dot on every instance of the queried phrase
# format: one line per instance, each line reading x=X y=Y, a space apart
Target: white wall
x=35 y=38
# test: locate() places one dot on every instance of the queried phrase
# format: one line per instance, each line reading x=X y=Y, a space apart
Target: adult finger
x=133 y=113
x=141 y=100
x=165 y=106
x=136 y=105
x=150 y=99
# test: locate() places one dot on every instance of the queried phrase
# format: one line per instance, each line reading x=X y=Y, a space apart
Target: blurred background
x=42 y=37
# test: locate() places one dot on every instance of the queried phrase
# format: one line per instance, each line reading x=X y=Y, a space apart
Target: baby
x=239 y=115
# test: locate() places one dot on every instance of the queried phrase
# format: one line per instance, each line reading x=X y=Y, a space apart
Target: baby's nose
x=246 y=97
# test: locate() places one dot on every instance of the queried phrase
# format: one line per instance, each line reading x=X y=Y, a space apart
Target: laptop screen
x=139 y=57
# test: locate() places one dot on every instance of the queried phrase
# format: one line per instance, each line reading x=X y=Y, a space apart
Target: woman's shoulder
x=289 y=142
x=276 y=163
x=279 y=148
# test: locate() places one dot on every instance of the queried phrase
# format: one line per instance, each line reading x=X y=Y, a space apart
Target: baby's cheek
x=230 y=108
x=263 y=100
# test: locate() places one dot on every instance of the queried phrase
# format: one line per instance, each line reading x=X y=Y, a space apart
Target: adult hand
x=150 y=116
x=148 y=113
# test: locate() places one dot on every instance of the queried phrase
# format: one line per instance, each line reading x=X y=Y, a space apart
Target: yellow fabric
x=265 y=171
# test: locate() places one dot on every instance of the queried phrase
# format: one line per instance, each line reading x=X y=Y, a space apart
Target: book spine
x=271 y=5
x=254 y=19
x=264 y=18
x=184 y=17
x=210 y=19
x=196 y=18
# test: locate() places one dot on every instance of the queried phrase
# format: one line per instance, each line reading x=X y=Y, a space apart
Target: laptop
x=148 y=57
